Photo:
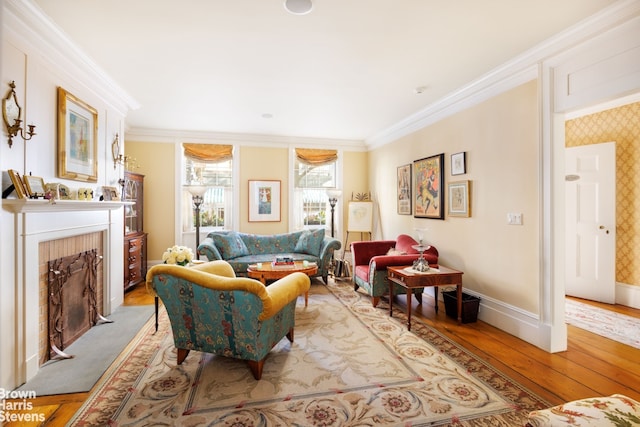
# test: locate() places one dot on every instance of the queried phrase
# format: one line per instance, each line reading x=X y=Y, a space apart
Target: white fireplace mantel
x=39 y=220
x=41 y=205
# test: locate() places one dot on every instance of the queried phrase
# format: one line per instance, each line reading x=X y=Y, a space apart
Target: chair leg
x=419 y=297
x=290 y=335
x=182 y=354
x=256 y=368
x=375 y=301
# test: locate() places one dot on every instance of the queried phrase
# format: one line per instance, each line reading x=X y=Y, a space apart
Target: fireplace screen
x=72 y=295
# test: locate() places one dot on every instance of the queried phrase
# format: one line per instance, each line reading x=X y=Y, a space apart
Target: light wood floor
x=592 y=365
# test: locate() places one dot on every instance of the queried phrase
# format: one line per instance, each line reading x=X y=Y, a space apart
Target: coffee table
x=267 y=271
x=411 y=279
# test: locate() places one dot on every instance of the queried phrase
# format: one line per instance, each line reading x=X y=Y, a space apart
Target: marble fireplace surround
x=37 y=221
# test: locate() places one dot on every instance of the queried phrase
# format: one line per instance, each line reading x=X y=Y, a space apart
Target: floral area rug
x=350 y=365
x=609 y=324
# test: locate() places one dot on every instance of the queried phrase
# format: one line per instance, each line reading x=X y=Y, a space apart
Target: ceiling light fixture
x=298 y=7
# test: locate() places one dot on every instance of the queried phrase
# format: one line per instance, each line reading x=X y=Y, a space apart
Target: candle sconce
x=11 y=112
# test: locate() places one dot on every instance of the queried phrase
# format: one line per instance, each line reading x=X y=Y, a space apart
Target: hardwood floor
x=591 y=366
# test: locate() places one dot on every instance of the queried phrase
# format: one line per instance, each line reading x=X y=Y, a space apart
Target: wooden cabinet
x=135 y=239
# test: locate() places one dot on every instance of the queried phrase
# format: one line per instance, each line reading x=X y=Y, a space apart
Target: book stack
x=283 y=261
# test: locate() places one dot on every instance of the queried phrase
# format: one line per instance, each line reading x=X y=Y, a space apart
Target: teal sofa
x=213 y=311
x=242 y=249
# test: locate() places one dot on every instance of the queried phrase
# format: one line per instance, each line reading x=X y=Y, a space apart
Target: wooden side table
x=411 y=279
x=268 y=271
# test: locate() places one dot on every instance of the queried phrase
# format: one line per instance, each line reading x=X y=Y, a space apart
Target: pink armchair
x=371 y=259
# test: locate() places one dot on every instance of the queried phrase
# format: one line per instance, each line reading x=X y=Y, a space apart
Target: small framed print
x=460 y=198
x=264 y=201
x=404 y=190
x=35 y=186
x=458 y=163
x=110 y=194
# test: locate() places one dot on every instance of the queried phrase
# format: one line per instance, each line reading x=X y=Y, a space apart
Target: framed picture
x=404 y=190
x=264 y=201
x=360 y=217
x=77 y=138
x=35 y=186
x=110 y=194
x=18 y=184
x=428 y=178
x=458 y=164
x=460 y=198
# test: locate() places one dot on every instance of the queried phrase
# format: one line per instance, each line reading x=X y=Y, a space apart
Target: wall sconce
x=11 y=112
x=115 y=152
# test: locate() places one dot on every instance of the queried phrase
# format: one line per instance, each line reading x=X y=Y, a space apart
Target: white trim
x=510 y=74
x=26 y=22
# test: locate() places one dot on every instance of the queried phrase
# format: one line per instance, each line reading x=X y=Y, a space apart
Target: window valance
x=208 y=152
x=316 y=157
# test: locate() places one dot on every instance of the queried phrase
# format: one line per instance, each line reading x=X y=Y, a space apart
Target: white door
x=591 y=221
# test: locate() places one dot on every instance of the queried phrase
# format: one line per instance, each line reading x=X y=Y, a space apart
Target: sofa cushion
x=230 y=245
x=615 y=410
x=310 y=241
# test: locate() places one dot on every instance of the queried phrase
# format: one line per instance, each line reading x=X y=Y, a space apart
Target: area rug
x=92 y=354
x=609 y=324
x=350 y=364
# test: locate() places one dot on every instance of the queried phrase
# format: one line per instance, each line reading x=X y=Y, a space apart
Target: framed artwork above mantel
x=77 y=138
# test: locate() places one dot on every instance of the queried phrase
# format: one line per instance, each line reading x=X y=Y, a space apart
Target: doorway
x=590 y=189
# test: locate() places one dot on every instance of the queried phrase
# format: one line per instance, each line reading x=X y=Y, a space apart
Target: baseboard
x=628 y=295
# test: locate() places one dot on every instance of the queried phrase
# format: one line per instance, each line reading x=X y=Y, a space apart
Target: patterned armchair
x=371 y=259
x=213 y=311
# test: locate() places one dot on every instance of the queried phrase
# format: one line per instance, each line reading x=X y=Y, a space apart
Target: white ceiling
x=348 y=70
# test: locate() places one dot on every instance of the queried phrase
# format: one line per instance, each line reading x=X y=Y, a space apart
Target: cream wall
x=264 y=164
x=157 y=163
x=501 y=141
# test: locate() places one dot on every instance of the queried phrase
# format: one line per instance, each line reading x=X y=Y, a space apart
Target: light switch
x=514 y=218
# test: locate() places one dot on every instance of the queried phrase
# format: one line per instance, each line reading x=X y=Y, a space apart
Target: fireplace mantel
x=40 y=205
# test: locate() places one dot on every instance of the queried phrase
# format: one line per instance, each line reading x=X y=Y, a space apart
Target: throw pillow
x=230 y=245
x=394 y=252
x=310 y=242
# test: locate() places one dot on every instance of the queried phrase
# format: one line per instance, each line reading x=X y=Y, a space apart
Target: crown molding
x=25 y=23
x=179 y=136
x=519 y=70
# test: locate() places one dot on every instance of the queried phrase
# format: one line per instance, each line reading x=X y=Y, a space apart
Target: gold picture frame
x=77 y=138
x=460 y=198
x=35 y=186
x=18 y=184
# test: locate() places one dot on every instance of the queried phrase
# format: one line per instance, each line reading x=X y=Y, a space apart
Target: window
x=313 y=176
x=209 y=169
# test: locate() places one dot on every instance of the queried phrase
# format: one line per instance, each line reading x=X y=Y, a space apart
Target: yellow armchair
x=207 y=304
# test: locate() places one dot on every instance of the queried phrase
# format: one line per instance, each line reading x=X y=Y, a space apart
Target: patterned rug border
x=129 y=367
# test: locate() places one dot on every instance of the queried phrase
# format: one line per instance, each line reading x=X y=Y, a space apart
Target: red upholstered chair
x=371 y=259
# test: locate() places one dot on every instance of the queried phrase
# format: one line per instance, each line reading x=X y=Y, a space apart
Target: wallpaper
x=622 y=125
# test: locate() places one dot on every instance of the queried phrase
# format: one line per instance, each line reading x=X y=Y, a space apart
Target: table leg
x=436 y=296
x=156 y=304
x=306 y=298
x=390 y=298
x=408 y=311
x=459 y=293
